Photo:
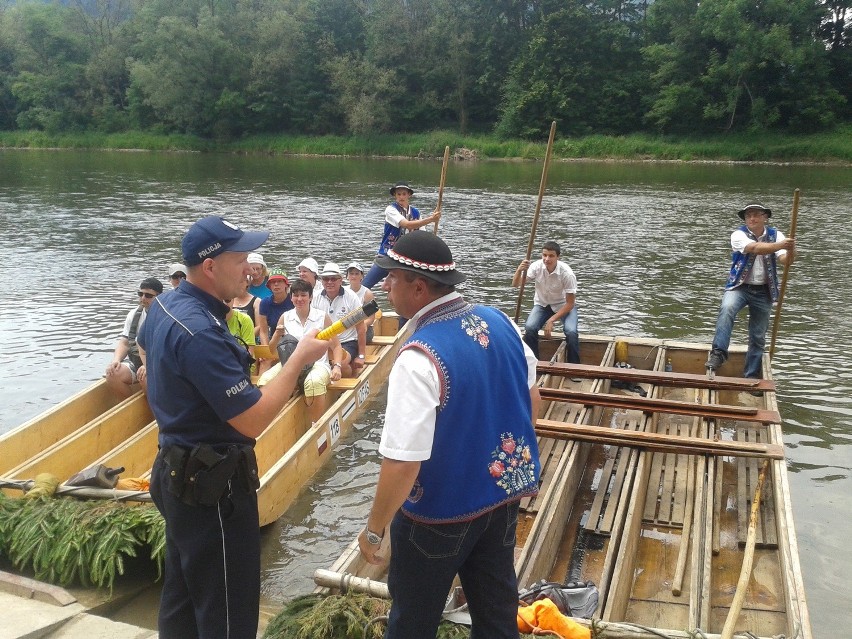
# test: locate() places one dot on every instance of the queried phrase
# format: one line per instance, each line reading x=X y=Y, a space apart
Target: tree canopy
x=229 y=68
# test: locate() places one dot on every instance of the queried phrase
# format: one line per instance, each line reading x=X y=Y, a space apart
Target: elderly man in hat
x=400 y=217
x=126 y=367
x=753 y=282
x=459 y=449
x=338 y=301
x=204 y=477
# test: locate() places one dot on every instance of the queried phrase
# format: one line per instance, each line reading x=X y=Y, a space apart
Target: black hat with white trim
x=425 y=254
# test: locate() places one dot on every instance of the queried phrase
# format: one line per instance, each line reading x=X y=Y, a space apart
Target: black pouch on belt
x=175 y=459
x=208 y=474
x=247 y=469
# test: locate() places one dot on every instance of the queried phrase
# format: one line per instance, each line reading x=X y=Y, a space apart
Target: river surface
x=648 y=241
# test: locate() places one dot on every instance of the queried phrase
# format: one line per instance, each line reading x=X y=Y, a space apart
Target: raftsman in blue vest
x=484 y=452
x=742 y=263
x=392 y=233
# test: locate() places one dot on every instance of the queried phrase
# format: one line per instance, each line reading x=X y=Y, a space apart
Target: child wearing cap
x=355 y=276
x=400 y=217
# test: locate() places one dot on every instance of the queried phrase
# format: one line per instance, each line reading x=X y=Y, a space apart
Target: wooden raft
x=747 y=474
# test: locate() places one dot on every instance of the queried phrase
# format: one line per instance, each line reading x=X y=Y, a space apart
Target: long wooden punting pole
x=659 y=378
x=656 y=441
x=441 y=186
x=748 y=559
x=531 y=242
x=784 y=278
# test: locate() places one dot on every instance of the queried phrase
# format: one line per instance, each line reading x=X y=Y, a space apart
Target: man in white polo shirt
x=555 y=299
x=337 y=301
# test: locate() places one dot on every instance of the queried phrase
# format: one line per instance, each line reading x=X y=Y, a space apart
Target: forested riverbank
x=834 y=147
x=257 y=75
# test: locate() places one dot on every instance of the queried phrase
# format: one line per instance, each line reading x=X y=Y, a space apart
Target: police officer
x=209 y=414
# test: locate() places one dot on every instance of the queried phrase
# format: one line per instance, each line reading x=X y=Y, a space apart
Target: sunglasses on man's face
x=147 y=296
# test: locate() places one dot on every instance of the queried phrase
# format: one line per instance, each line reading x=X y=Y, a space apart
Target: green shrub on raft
x=66 y=541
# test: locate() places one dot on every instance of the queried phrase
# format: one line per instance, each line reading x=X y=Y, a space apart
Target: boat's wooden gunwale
x=35 y=435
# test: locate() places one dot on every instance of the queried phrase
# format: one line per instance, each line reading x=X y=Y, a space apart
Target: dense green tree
x=47 y=71
x=227 y=68
x=738 y=64
x=836 y=30
x=190 y=74
x=579 y=68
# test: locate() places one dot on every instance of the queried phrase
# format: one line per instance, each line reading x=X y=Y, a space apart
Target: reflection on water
x=649 y=243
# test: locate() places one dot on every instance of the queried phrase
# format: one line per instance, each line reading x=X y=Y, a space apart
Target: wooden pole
x=748 y=559
x=656 y=441
x=535 y=217
x=441 y=186
x=686 y=531
x=784 y=278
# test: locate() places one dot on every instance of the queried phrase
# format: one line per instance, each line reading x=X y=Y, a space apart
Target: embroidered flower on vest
x=477 y=328
x=512 y=464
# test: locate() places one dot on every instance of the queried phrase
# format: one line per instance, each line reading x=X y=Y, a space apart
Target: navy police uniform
x=205 y=475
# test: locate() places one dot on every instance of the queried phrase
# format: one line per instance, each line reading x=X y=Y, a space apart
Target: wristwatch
x=360 y=357
x=373 y=539
x=333 y=364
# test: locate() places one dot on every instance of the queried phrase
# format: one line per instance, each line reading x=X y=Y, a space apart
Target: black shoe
x=715 y=360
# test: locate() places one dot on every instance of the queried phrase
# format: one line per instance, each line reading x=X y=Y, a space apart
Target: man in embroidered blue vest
x=459 y=449
x=753 y=282
x=400 y=217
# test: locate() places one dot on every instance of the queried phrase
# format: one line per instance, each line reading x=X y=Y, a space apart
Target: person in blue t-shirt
x=400 y=217
x=259 y=276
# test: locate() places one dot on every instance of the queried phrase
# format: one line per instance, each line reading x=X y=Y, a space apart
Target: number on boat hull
x=364 y=393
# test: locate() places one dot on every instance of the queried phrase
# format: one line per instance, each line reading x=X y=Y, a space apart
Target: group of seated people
x=271 y=308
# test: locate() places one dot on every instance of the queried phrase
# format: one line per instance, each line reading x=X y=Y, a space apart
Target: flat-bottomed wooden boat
x=94 y=427
x=662 y=531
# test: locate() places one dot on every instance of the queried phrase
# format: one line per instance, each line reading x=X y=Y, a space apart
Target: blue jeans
x=375 y=275
x=759 y=306
x=537 y=318
x=426 y=558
